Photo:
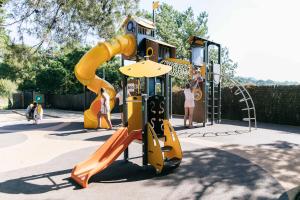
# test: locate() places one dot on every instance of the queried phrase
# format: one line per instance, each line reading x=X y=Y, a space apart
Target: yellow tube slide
x=85 y=72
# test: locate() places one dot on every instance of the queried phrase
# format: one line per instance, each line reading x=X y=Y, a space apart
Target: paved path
x=220 y=162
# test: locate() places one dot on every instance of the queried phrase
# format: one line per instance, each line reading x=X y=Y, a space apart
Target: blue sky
x=263 y=36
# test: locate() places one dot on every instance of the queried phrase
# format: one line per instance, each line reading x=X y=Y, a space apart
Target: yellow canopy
x=145 y=69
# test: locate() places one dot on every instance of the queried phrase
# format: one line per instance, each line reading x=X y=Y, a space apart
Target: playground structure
x=146 y=115
x=208 y=106
x=203 y=70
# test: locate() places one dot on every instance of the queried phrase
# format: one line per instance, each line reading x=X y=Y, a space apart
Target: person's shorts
x=120 y=108
x=104 y=110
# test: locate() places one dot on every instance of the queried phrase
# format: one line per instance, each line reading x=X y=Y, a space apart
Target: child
x=105 y=108
x=189 y=105
x=34 y=111
x=197 y=78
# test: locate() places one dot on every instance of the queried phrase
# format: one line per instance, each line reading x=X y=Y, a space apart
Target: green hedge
x=274 y=104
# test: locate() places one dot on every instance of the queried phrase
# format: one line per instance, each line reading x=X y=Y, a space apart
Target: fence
x=274 y=104
x=60 y=101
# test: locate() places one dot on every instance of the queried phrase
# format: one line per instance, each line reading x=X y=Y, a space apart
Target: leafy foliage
x=3 y=34
x=50 y=78
x=63 y=26
x=7 y=87
x=7 y=71
x=67 y=22
x=228 y=66
x=69 y=59
x=111 y=70
x=176 y=27
x=21 y=63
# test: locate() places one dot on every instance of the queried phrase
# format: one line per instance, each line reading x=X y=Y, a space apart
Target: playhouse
x=146 y=114
x=148 y=111
x=208 y=106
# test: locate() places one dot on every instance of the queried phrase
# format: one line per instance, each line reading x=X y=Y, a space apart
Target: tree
x=65 y=22
x=69 y=58
x=228 y=65
x=19 y=66
x=7 y=87
x=7 y=72
x=3 y=35
x=112 y=73
x=176 y=27
x=50 y=78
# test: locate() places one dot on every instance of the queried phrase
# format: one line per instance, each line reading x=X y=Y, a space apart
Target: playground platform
x=222 y=161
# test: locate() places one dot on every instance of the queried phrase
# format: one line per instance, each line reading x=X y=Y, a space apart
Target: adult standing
x=105 y=108
x=189 y=105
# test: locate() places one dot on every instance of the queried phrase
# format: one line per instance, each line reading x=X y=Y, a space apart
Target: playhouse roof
x=146 y=68
x=200 y=40
x=161 y=42
x=141 y=21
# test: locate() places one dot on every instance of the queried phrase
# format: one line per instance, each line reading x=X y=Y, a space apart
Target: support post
x=212 y=91
x=155 y=92
x=166 y=95
x=219 y=86
x=171 y=97
x=125 y=117
x=145 y=120
x=205 y=84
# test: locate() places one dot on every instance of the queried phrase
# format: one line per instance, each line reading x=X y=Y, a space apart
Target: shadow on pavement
x=121 y=171
x=280 y=158
x=275 y=127
x=99 y=138
x=29 y=126
x=206 y=172
x=72 y=126
x=293 y=194
x=25 y=185
x=74 y=132
x=212 y=133
x=215 y=170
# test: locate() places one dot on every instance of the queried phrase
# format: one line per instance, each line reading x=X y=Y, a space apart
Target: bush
x=51 y=78
x=7 y=87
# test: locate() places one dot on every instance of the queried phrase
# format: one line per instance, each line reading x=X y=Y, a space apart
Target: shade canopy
x=146 y=68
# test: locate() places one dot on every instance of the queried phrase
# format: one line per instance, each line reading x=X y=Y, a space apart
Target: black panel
x=156 y=105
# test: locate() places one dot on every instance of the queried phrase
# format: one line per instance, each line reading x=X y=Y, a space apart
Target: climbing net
x=179 y=70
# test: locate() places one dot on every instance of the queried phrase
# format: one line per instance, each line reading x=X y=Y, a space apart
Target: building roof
x=200 y=41
x=160 y=42
x=141 y=21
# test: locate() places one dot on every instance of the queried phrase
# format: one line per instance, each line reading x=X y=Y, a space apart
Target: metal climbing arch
x=245 y=98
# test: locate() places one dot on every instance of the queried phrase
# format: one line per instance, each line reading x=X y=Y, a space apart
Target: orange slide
x=104 y=156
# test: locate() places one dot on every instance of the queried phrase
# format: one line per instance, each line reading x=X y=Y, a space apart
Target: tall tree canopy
x=176 y=27
x=3 y=35
x=63 y=26
x=66 y=21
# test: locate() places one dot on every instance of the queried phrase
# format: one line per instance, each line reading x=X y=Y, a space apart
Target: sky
x=263 y=36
